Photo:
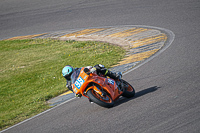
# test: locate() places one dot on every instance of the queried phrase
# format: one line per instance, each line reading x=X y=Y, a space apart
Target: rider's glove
x=119 y=75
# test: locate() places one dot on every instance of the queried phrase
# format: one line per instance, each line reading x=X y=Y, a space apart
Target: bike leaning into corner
x=99 y=89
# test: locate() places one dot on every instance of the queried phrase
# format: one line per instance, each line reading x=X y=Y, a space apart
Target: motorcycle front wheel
x=104 y=101
x=129 y=90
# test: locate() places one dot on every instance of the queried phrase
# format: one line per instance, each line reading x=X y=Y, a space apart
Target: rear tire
x=129 y=90
x=105 y=101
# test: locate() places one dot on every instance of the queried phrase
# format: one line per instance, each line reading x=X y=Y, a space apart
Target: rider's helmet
x=67 y=72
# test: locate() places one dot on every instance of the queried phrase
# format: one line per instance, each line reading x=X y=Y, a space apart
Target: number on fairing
x=111 y=81
x=79 y=82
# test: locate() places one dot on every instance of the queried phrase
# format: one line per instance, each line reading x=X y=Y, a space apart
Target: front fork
x=120 y=85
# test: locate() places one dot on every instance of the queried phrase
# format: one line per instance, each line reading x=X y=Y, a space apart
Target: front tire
x=129 y=90
x=105 y=101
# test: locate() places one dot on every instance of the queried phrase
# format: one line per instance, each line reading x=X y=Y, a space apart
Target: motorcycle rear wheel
x=105 y=101
x=129 y=90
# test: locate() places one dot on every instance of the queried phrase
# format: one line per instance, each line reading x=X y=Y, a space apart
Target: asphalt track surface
x=167 y=87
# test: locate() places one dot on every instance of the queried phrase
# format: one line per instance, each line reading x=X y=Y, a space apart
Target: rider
x=100 y=69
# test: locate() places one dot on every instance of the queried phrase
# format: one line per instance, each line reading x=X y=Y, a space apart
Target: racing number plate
x=111 y=81
x=79 y=82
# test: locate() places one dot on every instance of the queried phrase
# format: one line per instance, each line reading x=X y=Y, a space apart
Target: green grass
x=30 y=72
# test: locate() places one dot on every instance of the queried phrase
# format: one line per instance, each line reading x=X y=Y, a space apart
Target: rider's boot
x=113 y=75
x=117 y=78
x=78 y=95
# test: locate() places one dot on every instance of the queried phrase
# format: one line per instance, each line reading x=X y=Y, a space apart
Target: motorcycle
x=99 y=89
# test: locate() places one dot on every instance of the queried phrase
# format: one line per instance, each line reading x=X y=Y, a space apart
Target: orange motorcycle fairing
x=82 y=82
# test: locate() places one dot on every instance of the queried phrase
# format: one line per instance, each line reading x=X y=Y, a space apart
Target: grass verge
x=30 y=72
